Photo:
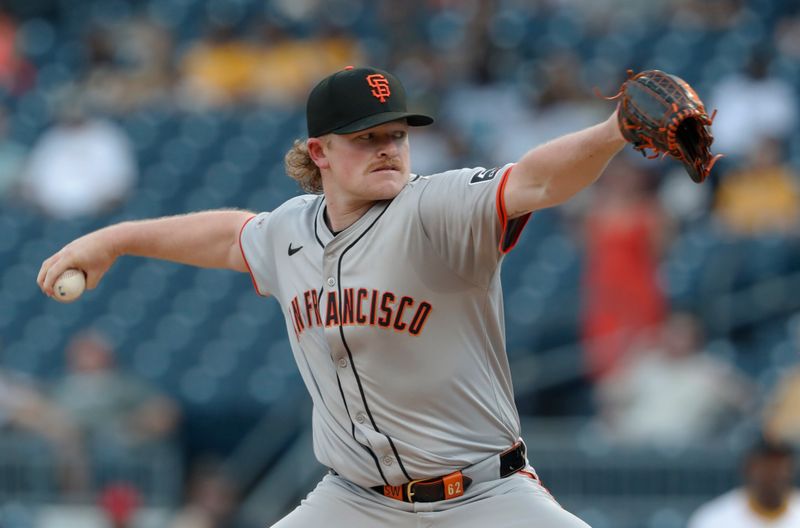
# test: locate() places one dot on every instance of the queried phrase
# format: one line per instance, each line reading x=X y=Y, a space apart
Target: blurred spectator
x=782 y=414
x=17 y=75
x=100 y=54
x=684 y=201
x=287 y=66
x=435 y=150
x=128 y=65
x=211 y=499
x=275 y=68
x=625 y=233
x=737 y=125
x=714 y=15
x=12 y=159
x=481 y=111
x=557 y=104
x=119 y=502
x=117 y=414
x=218 y=70
x=24 y=408
x=672 y=393
x=787 y=37
x=505 y=119
x=763 y=196
x=81 y=166
x=767 y=499
x=403 y=35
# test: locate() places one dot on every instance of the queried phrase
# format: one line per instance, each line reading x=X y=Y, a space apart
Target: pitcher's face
x=372 y=164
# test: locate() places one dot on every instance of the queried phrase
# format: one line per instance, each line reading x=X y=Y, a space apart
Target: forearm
x=552 y=173
x=207 y=239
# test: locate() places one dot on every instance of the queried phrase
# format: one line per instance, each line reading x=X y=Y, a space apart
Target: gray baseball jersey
x=396 y=324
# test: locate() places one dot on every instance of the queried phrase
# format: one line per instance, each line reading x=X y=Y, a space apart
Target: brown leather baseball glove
x=662 y=113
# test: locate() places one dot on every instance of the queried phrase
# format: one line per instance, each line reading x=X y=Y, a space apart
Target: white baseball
x=69 y=286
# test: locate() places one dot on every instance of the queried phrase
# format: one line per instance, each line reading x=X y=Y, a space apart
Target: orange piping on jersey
x=501 y=203
x=502 y=214
x=247 y=264
x=537 y=479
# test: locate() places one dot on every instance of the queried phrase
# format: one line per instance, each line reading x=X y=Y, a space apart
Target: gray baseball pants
x=514 y=502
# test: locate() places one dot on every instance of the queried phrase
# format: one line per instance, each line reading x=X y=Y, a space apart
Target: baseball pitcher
x=389 y=283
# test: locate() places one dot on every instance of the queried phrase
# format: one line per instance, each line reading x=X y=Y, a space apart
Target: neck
x=344 y=213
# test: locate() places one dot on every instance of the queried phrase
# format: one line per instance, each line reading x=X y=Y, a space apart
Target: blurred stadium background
x=200 y=100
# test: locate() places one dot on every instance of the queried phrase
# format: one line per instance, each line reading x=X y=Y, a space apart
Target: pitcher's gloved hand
x=662 y=113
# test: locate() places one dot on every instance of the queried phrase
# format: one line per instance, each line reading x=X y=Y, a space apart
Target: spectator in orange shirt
x=625 y=232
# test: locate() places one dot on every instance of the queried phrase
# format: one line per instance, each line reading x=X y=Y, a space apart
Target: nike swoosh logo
x=292 y=250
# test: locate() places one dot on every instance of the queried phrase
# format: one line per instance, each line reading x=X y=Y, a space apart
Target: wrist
x=116 y=238
x=612 y=125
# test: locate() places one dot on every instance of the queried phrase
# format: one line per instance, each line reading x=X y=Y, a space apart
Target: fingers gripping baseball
x=90 y=254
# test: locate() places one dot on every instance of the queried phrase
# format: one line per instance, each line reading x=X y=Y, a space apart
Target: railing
x=31 y=473
x=628 y=487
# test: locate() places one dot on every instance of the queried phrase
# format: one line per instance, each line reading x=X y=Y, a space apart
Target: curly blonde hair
x=301 y=168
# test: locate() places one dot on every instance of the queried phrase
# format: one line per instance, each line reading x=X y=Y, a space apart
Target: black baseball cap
x=355 y=99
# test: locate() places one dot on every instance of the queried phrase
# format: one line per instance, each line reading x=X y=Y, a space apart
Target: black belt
x=452 y=485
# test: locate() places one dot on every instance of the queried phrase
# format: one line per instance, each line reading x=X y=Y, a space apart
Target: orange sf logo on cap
x=380 y=86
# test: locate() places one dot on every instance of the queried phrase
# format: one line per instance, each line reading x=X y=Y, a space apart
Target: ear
x=317 y=150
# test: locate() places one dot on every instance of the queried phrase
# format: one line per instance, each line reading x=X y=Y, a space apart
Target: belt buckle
x=409 y=493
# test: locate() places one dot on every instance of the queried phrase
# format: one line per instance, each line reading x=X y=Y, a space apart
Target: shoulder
x=293 y=212
x=299 y=203
x=467 y=175
x=458 y=181
x=297 y=207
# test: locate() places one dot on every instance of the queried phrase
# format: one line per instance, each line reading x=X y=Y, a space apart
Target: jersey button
x=331 y=282
x=343 y=363
x=360 y=418
x=387 y=460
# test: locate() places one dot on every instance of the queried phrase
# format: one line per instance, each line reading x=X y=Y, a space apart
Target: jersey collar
x=323 y=233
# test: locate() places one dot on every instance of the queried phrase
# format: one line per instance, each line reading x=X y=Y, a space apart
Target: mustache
x=390 y=164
